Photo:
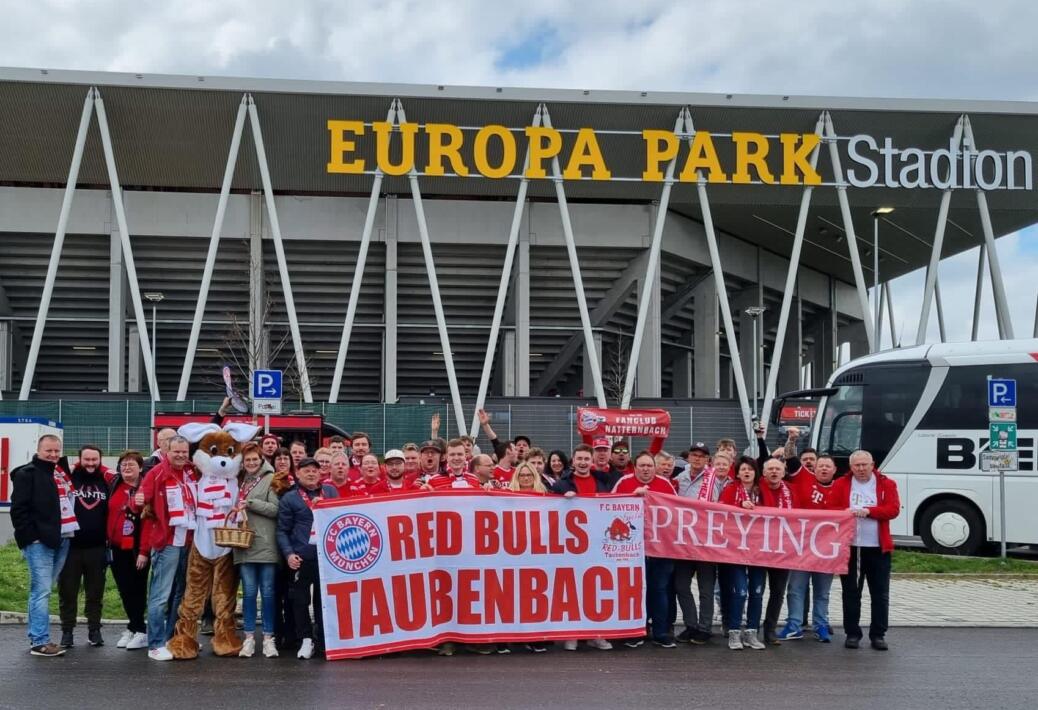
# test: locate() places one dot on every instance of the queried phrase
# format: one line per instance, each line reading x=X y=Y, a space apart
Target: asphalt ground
x=925 y=668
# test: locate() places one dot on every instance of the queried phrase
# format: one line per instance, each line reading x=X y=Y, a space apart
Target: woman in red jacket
x=129 y=567
x=745 y=584
x=873 y=499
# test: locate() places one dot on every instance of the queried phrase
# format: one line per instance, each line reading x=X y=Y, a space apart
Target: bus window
x=841 y=422
x=891 y=396
x=961 y=403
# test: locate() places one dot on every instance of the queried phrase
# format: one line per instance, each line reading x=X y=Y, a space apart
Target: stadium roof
x=172 y=133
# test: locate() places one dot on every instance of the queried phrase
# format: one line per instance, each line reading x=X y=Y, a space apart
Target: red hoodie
x=887 y=508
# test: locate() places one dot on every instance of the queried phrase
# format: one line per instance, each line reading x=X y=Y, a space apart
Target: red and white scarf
x=784 y=496
x=742 y=495
x=215 y=498
x=66 y=503
x=706 y=489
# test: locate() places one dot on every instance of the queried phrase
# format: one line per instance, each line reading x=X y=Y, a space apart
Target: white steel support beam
x=259 y=342
x=890 y=314
x=879 y=322
x=502 y=293
x=722 y=292
x=521 y=295
x=279 y=249
x=938 y=244
x=998 y=287
x=978 y=292
x=940 y=311
x=124 y=236
x=591 y=353
x=848 y=228
x=116 y=314
x=214 y=245
x=434 y=286
x=358 y=272
x=389 y=341
x=651 y=272
x=790 y=287
x=55 y=253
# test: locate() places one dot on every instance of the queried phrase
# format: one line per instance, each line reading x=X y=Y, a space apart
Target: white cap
x=394 y=454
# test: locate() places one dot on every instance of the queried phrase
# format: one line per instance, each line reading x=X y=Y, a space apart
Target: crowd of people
x=73 y=524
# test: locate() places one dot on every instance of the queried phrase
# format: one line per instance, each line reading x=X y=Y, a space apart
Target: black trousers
x=84 y=565
x=306 y=590
x=133 y=588
x=777 y=580
x=284 y=623
x=872 y=565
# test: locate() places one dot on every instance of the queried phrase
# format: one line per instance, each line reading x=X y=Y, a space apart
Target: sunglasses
x=621 y=451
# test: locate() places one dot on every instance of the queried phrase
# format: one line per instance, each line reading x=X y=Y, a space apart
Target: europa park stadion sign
x=492 y=151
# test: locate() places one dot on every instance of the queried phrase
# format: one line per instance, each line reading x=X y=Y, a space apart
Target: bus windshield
x=840 y=433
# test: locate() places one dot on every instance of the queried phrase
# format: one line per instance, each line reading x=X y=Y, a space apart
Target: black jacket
x=295 y=520
x=604 y=482
x=35 y=512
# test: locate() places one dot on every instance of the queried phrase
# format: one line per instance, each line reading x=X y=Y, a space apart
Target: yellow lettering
x=440 y=149
x=540 y=149
x=660 y=146
x=751 y=149
x=702 y=155
x=341 y=146
x=796 y=158
x=586 y=152
x=383 y=132
x=479 y=151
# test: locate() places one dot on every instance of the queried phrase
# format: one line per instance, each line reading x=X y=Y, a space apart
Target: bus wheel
x=952 y=527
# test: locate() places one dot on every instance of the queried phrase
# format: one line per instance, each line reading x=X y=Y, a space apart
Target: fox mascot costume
x=210 y=568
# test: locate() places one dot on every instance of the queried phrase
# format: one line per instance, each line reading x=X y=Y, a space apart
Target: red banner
x=687 y=529
x=619 y=423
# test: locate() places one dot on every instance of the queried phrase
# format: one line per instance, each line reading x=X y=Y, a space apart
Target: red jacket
x=809 y=492
x=629 y=484
x=383 y=488
x=123 y=522
x=773 y=498
x=887 y=508
x=156 y=532
x=444 y=481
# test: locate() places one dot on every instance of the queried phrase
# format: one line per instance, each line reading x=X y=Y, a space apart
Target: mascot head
x=218 y=451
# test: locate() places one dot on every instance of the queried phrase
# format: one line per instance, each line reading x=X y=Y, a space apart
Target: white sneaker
x=750 y=640
x=124 y=639
x=600 y=644
x=270 y=650
x=138 y=640
x=248 y=647
x=570 y=645
x=734 y=640
x=306 y=649
x=160 y=654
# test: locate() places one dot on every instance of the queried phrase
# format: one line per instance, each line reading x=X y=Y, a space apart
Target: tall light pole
x=755 y=312
x=876 y=213
x=155 y=298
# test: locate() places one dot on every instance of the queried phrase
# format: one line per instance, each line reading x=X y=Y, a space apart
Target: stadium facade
x=676 y=216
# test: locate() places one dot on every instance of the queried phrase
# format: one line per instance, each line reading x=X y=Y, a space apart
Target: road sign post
x=1001 y=454
x=266 y=393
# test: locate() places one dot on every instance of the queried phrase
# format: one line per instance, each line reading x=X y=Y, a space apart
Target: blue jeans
x=164 y=566
x=658 y=571
x=797 y=592
x=257 y=576
x=44 y=565
x=745 y=591
x=176 y=593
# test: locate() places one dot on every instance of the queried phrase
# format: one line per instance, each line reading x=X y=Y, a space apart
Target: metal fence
x=115 y=425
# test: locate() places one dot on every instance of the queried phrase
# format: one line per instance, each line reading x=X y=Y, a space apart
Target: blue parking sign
x=1001 y=393
x=266 y=384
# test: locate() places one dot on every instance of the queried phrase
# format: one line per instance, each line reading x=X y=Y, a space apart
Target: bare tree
x=614 y=374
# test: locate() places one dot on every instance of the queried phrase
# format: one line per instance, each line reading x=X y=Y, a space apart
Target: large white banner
x=408 y=572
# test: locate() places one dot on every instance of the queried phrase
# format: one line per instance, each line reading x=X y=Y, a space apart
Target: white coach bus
x=923 y=413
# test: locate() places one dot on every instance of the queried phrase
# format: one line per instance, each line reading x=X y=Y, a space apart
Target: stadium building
x=384 y=242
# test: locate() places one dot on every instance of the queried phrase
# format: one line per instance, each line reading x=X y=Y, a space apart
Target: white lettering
x=744 y=530
x=1012 y=156
x=814 y=540
x=868 y=163
x=786 y=531
x=935 y=164
x=712 y=526
x=689 y=525
x=888 y=151
x=918 y=167
x=656 y=523
x=996 y=180
x=766 y=543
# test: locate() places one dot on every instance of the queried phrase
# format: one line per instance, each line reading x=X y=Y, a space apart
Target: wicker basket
x=238 y=537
